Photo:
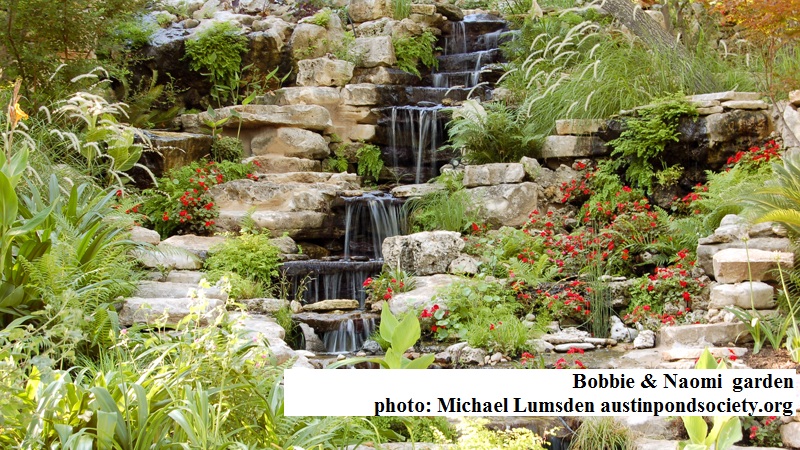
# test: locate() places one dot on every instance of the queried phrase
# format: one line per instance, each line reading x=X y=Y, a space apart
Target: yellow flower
x=19 y=112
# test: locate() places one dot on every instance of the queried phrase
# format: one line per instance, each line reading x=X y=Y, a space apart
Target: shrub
x=602 y=432
x=499 y=333
x=250 y=255
x=370 y=161
x=225 y=148
x=487 y=134
x=321 y=17
x=451 y=211
x=412 y=50
x=217 y=52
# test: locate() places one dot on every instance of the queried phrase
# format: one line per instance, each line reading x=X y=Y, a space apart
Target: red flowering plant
x=435 y=322
x=564 y=300
x=762 y=431
x=571 y=361
x=182 y=204
x=529 y=361
x=384 y=286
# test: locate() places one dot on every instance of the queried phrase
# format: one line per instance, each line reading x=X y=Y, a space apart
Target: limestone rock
x=152 y=311
x=310 y=117
x=564 y=348
x=140 y=234
x=745 y=104
x=702 y=335
x=312 y=340
x=267 y=306
x=569 y=335
x=572 y=147
x=645 y=339
x=197 y=245
x=464 y=265
x=157 y=289
x=794 y=98
x=462 y=353
x=452 y=12
x=324 y=72
x=579 y=127
x=306 y=39
x=677 y=353
x=416 y=190
x=185 y=276
x=735 y=128
x=285 y=244
x=493 y=174
x=790 y=434
x=725 y=96
x=745 y=295
x=296 y=224
x=285 y=164
x=361 y=94
x=244 y=194
x=366 y=10
x=174 y=150
x=710 y=110
x=307 y=95
x=375 y=51
x=790 y=127
x=425 y=253
x=332 y=305
x=425 y=289
x=620 y=332
x=706 y=252
x=383 y=75
x=291 y=142
x=531 y=166
x=736 y=265
x=505 y=204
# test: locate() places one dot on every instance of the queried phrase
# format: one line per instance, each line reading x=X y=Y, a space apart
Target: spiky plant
x=779 y=199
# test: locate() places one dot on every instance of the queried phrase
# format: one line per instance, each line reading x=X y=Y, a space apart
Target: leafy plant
x=216 y=52
x=400 y=335
x=321 y=17
x=401 y=9
x=370 y=161
x=487 y=133
x=639 y=147
x=226 y=148
x=249 y=255
x=777 y=200
x=451 y=211
x=388 y=283
x=726 y=430
x=412 y=50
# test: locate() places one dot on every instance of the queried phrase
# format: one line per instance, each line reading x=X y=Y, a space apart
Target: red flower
x=475 y=227
x=435 y=308
x=650 y=288
x=574 y=350
x=646 y=307
x=387 y=296
x=208 y=206
x=686 y=297
x=367 y=282
x=165 y=217
x=119 y=192
x=491 y=326
x=626 y=188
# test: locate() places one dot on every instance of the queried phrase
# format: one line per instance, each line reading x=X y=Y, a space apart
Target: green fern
x=410 y=51
x=779 y=200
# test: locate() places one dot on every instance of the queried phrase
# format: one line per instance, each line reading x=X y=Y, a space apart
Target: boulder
x=285 y=245
x=383 y=75
x=185 y=276
x=573 y=147
x=731 y=131
x=197 y=245
x=173 y=150
x=244 y=194
x=790 y=434
x=306 y=41
x=285 y=164
x=331 y=305
x=645 y=339
x=531 y=166
x=745 y=295
x=291 y=142
x=452 y=12
x=704 y=335
x=375 y=51
x=324 y=72
x=567 y=336
x=310 y=117
x=425 y=253
x=505 y=204
x=493 y=174
x=422 y=296
x=464 y=265
x=463 y=354
x=794 y=98
x=734 y=265
x=564 y=348
x=296 y=224
x=258 y=325
x=305 y=95
x=312 y=340
x=706 y=252
x=323 y=322
x=145 y=236
x=170 y=311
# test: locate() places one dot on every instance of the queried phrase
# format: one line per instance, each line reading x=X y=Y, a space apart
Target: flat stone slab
x=579 y=127
x=674 y=354
x=745 y=104
x=342 y=180
x=166 y=257
x=170 y=311
x=297 y=224
x=258 y=324
x=747 y=295
x=284 y=164
x=185 y=276
x=144 y=235
x=564 y=348
x=725 y=96
x=310 y=117
x=332 y=305
x=417 y=190
x=573 y=147
x=567 y=336
x=265 y=306
x=735 y=265
x=705 y=335
x=158 y=289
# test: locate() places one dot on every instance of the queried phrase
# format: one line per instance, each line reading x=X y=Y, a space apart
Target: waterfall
x=350 y=335
x=369 y=219
x=314 y=280
x=457 y=42
x=418 y=130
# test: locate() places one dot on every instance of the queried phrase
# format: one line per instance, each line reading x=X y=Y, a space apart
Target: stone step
x=284 y=164
x=341 y=180
x=287 y=196
x=734 y=265
x=296 y=224
x=152 y=311
x=185 y=252
x=309 y=117
x=157 y=289
x=755 y=295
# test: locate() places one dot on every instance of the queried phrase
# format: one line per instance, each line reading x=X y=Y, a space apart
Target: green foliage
x=370 y=161
x=337 y=162
x=413 y=50
x=726 y=430
x=487 y=133
x=602 y=432
x=473 y=435
x=413 y=428
x=134 y=33
x=401 y=9
x=250 y=255
x=639 y=147
x=321 y=17
x=226 y=148
x=216 y=52
x=498 y=333
x=401 y=335
x=442 y=211
x=777 y=201
x=346 y=50
x=388 y=283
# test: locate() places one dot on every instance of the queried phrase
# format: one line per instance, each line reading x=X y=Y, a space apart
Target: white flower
x=754 y=322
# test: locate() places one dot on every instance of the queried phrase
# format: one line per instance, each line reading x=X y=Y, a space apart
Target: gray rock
x=564 y=348
x=790 y=434
x=645 y=339
x=307 y=95
x=579 y=127
x=185 y=276
x=366 y=10
x=531 y=166
x=306 y=41
x=264 y=305
x=417 y=190
x=706 y=252
x=464 y=265
x=745 y=104
x=426 y=253
x=331 y=305
x=702 y=335
x=313 y=342
x=725 y=96
x=372 y=347
x=310 y=117
x=285 y=164
x=452 y=12
x=174 y=150
x=297 y=224
x=505 y=204
x=425 y=289
x=324 y=72
x=361 y=94
x=493 y=174
x=540 y=345
x=569 y=335
x=157 y=289
x=140 y=234
x=619 y=331
x=285 y=245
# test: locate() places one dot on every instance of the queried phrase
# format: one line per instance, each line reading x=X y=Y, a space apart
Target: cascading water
x=369 y=219
x=416 y=134
x=350 y=335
